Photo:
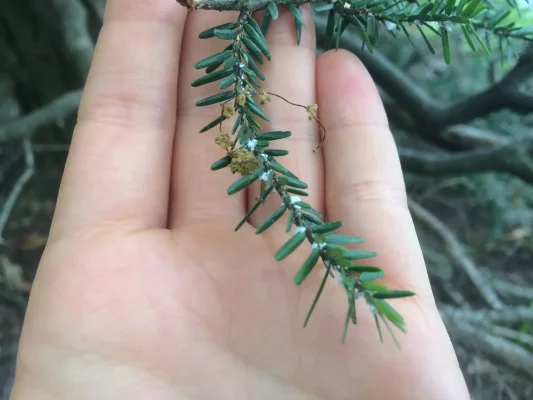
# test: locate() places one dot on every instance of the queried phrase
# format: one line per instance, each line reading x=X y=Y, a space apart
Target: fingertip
x=163 y=11
x=347 y=91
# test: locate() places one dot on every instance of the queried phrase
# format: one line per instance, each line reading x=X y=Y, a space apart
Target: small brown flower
x=228 y=109
x=223 y=140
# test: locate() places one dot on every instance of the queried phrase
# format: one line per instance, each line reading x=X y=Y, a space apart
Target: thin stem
x=315 y=301
x=321 y=125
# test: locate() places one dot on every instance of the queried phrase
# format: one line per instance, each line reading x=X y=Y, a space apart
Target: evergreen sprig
x=370 y=17
x=237 y=69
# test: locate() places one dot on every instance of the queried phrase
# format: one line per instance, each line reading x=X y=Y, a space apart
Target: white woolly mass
x=390 y=25
x=320 y=245
x=337 y=275
x=251 y=144
x=447 y=25
x=372 y=308
x=264 y=176
x=347 y=5
x=299 y=229
x=295 y=199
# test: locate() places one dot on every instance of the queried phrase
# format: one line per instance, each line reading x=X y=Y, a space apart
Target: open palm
x=145 y=291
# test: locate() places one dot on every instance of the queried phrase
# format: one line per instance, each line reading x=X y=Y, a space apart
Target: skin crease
x=145 y=292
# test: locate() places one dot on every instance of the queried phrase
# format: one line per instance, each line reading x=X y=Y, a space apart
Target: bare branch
x=28 y=125
x=511 y=334
x=509 y=288
x=458 y=253
x=17 y=188
x=506 y=315
x=522 y=70
x=468 y=136
x=505 y=94
x=506 y=352
x=510 y=157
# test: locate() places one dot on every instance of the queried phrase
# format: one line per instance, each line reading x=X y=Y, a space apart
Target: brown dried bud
x=241 y=99
x=243 y=162
x=264 y=97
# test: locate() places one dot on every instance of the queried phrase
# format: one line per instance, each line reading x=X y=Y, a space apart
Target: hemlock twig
x=236 y=67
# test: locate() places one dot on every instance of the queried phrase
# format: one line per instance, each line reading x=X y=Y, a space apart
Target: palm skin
x=212 y=322
x=141 y=297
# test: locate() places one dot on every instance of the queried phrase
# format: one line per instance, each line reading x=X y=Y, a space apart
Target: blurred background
x=465 y=137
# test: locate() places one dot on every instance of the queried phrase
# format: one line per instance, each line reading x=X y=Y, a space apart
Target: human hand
x=145 y=292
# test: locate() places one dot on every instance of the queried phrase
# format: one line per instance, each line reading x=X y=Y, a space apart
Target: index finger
x=118 y=169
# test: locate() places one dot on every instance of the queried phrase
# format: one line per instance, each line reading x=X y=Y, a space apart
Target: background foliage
x=464 y=133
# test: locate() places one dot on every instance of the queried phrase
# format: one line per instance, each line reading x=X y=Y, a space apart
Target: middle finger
x=291 y=74
x=197 y=192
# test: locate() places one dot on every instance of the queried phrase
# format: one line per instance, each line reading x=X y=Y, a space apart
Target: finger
x=197 y=192
x=119 y=163
x=291 y=74
x=364 y=181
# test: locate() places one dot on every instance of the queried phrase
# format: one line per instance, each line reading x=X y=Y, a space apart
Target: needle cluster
x=237 y=69
x=250 y=153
